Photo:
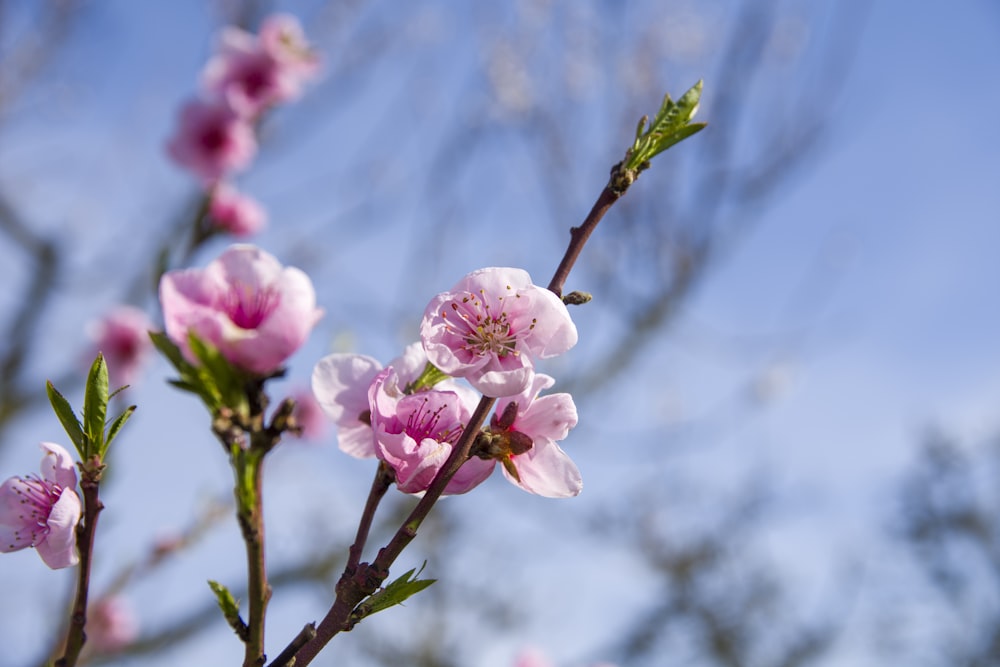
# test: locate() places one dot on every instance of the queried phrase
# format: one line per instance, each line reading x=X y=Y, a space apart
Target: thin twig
x=85 y=543
x=383 y=480
x=353 y=587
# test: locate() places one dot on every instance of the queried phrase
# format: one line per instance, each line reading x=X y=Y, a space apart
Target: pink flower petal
x=58 y=549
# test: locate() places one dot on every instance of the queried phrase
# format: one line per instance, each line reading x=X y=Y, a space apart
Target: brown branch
x=384 y=477
x=85 y=531
x=579 y=235
x=354 y=586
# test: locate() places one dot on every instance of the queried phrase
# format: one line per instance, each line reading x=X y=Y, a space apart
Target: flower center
x=426 y=423
x=483 y=330
x=257 y=79
x=36 y=498
x=213 y=139
x=249 y=305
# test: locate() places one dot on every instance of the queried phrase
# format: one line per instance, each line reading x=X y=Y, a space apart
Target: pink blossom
x=282 y=38
x=111 y=625
x=544 y=469
x=531 y=657
x=491 y=326
x=212 y=140
x=42 y=512
x=235 y=212
x=340 y=383
x=309 y=416
x=415 y=433
x=122 y=336
x=253 y=73
x=245 y=303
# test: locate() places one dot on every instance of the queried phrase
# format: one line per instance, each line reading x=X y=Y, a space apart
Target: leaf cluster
x=214 y=380
x=90 y=433
x=671 y=125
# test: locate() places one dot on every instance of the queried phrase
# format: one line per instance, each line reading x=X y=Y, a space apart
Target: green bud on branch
x=671 y=125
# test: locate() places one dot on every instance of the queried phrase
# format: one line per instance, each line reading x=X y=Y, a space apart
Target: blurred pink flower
x=212 y=140
x=122 y=336
x=253 y=73
x=245 y=303
x=531 y=657
x=491 y=326
x=415 y=433
x=282 y=38
x=544 y=469
x=309 y=415
x=42 y=512
x=235 y=212
x=111 y=625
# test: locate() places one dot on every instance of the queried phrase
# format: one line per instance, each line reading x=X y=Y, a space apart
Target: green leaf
x=230 y=609
x=116 y=426
x=66 y=417
x=198 y=381
x=671 y=125
x=168 y=350
x=95 y=406
x=395 y=593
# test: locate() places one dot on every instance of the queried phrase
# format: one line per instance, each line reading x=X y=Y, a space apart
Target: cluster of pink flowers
x=489 y=329
x=216 y=135
x=42 y=512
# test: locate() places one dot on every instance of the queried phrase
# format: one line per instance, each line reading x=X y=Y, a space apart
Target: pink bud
x=111 y=625
x=235 y=212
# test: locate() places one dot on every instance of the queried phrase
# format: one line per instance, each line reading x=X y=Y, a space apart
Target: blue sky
x=868 y=289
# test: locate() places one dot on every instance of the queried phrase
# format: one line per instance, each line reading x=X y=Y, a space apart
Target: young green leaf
x=671 y=125
x=168 y=350
x=67 y=418
x=198 y=381
x=116 y=426
x=395 y=593
x=230 y=609
x=95 y=405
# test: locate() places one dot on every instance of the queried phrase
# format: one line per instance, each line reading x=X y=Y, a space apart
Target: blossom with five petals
x=245 y=303
x=491 y=326
x=42 y=512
